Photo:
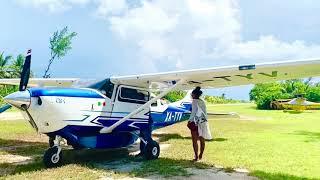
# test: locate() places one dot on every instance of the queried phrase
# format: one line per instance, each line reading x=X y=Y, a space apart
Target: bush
x=175 y=96
x=178 y=95
x=219 y=100
x=5 y=90
x=263 y=94
x=313 y=94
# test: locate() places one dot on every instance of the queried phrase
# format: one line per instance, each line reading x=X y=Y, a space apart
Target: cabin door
x=128 y=99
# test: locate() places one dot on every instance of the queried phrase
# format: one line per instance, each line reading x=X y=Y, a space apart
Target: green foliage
x=18 y=62
x=313 y=94
x=178 y=95
x=264 y=93
x=60 y=44
x=11 y=67
x=4 y=61
x=174 y=96
x=219 y=100
x=5 y=90
x=16 y=66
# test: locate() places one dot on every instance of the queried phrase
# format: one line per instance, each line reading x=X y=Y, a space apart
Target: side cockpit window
x=105 y=87
x=133 y=95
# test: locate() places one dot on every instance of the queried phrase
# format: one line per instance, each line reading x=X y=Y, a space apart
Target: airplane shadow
x=35 y=151
x=95 y=158
x=117 y=160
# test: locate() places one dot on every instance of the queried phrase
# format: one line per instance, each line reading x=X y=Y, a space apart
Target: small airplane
x=116 y=111
x=300 y=104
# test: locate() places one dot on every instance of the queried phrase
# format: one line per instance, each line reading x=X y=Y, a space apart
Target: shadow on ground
x=116 y=160
x=93 y=159
x=310 y=136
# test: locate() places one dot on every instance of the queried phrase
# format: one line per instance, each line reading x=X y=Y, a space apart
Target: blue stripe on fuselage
x=170 y=116
x=64 y=92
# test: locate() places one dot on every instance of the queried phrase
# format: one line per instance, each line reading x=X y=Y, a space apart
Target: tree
x=4 y=61
x=60 y=44
x=19 y=61
x=17 y=65
x=8 y=69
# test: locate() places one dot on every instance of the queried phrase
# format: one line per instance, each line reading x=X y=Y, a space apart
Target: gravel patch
x=10 y=116
x=15 y=159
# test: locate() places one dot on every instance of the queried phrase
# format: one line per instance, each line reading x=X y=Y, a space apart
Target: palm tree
x=17 y=65
x=18 y=62
x=4 y=61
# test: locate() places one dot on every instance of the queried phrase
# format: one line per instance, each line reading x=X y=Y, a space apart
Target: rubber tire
x=51 y=141
x=48 y=155
x=152 y=150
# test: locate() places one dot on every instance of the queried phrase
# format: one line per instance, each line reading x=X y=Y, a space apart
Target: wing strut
x=141 y=108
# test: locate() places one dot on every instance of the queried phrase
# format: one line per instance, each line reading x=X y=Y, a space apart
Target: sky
x=122 y=37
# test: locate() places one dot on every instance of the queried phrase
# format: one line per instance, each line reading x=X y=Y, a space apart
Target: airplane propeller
x=25 y=74
x=24 y=79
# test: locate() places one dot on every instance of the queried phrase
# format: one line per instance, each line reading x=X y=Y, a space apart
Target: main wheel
x=152 y=150
x=51 y=157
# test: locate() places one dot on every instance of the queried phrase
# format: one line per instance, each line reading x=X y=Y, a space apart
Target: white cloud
x=53 y=6
x=184 y=33
x=111 y=7
x=195 y=33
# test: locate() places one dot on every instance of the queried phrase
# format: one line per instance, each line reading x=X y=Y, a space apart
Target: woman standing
x=198 y=123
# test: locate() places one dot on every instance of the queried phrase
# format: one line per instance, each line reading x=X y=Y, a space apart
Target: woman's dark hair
x=197 y=92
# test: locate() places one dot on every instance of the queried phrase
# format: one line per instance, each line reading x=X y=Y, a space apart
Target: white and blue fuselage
x=78 y=114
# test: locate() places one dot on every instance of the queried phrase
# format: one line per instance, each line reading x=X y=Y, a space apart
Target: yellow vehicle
x=300 y=104
x=277 y=104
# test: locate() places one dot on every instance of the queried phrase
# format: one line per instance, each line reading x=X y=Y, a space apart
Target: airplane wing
x=216 y=77
x=47 y=82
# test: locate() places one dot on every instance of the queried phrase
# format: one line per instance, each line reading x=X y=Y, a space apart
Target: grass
x=274 y=145
x=270 y=144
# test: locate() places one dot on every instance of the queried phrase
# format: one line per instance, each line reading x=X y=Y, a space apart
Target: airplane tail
x=185 y=103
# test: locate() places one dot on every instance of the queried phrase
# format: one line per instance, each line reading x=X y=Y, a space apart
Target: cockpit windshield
x=104 y=86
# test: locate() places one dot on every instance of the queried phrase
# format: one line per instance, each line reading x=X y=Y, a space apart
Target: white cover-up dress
x=200 y=117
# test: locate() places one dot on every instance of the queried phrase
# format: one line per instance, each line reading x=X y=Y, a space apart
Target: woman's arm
x=193 y=111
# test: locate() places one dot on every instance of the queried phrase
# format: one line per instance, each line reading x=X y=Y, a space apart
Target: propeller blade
x=5 y=107
x=25 y=74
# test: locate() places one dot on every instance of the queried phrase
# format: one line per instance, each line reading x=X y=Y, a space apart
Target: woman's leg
x=194 y=136
x=202 y=146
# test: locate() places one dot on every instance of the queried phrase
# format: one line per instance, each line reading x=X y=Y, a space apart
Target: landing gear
x=53 y=156
x=152 y=150
x=51 y=141
x=149 y=148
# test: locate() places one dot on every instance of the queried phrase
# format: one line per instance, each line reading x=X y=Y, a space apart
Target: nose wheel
x=152 y=150
x=52 y=157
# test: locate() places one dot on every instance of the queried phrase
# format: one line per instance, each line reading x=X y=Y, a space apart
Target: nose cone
x=20 y=99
